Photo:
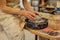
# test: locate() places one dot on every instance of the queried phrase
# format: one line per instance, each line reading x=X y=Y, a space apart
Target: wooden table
x=44 y=35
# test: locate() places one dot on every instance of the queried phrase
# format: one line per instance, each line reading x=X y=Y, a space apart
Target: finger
x=30 y=17
x=39 y=14
x=31 y=13
x=36 y=13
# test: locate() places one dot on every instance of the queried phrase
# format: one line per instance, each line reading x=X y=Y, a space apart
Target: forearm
x=10 y=10
x=27 y=6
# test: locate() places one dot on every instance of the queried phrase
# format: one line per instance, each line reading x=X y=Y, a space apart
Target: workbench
x=41 y=34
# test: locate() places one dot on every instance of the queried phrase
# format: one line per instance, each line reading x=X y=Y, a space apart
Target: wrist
x=19 y=12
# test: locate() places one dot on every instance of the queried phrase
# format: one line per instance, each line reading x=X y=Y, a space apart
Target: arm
x=10 y=10
x=27 y=6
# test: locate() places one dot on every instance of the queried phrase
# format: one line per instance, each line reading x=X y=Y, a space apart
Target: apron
x=11 y=26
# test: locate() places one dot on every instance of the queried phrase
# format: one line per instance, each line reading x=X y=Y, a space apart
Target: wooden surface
x=40 y=33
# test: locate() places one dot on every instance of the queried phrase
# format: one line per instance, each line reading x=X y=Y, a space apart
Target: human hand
x=28 y=14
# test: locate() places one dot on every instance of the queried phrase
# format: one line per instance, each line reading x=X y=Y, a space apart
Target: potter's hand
x=38 y=13
x=28 y=14
x=35 y=12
